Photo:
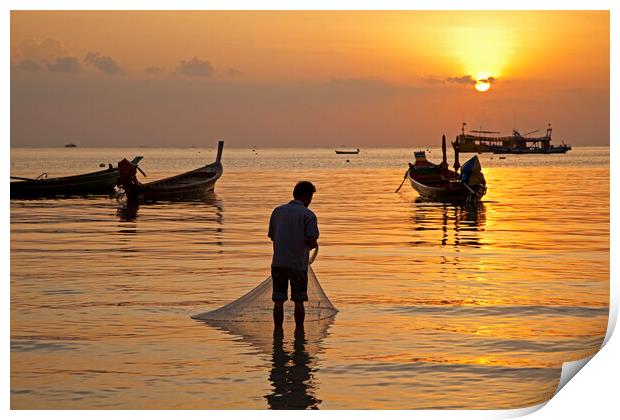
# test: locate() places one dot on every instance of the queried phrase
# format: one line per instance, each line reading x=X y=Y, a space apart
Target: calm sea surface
x=439 y=307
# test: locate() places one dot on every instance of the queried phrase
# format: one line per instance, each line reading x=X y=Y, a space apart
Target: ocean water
x=440 y=307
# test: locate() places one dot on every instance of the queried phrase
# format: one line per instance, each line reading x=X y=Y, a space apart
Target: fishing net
x=257 y=306
x=259 y=335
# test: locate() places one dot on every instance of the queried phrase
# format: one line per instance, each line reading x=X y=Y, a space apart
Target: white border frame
x=593 y=393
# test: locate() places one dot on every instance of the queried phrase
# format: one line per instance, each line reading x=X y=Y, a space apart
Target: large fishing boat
x=481 y=141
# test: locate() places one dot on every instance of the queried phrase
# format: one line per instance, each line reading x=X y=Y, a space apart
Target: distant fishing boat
x=188 y=185
x=437 y=183
x=482 y=141
x=348 y=151
x=100 y=182
x=70 y=145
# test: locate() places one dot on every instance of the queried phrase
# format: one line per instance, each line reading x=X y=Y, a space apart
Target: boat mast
x=220 y=148
x=444 y=161
x=455 y=145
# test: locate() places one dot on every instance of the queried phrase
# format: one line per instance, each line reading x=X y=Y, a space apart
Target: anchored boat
x=100 y=182
x=188 y=185
x=437 y=183
x=348 y=152
x=482 y=141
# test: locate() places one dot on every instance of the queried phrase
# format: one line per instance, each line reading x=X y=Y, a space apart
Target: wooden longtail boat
x=100 y=182
x=437 y=183
x=189 y=185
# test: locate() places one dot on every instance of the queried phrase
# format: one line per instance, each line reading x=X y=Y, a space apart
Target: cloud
x=233 y=72
x=104 y=63
x=29 y=65
x=35 y=55
x=35 y=50
x=195 y=67
x=153 y=70
x=465 y=80
x=64 y=65
x=462 y=80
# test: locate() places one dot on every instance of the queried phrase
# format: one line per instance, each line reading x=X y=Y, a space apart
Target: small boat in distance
x=490 y=142
x=186 y=186
x=70 y=145
x=100 y=182
x=348 y=151
x=437 y=183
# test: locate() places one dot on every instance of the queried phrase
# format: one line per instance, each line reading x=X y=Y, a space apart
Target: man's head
x=303 y=192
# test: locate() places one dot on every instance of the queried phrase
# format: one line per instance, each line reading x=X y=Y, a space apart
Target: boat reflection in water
x=159 y=226
x=127 y=210
x=459 y=225
x=293 y=358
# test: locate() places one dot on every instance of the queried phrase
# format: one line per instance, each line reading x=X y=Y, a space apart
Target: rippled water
x=440 y=307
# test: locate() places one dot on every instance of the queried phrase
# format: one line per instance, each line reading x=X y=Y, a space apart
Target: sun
x=482 y=85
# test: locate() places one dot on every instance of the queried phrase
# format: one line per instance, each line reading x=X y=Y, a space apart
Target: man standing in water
x=294 y=231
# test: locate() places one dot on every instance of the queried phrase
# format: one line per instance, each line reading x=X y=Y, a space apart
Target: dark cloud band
x=104 y=63
x=64 y=65
x=195 y=67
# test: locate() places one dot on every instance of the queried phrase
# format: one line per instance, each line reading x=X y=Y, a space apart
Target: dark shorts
x=299 y=284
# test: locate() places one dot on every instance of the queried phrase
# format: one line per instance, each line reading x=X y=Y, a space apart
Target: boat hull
x=186 y=186
x=436 y=183
x=450 y=192
x=472 y=148
x=192 y=185
x=100 y=183
x=552 y=150
x=94 y=183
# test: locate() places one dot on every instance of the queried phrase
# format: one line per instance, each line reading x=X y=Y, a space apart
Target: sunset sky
x=307 y=79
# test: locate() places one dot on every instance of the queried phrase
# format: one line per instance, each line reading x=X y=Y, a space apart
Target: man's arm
x=312 y=231
x=311 y=242
x=270 y=231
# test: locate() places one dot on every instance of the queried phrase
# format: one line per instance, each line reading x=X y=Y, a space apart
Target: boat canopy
x=471 y=172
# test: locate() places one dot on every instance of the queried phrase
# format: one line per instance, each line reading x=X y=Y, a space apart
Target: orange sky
x=307 y=79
